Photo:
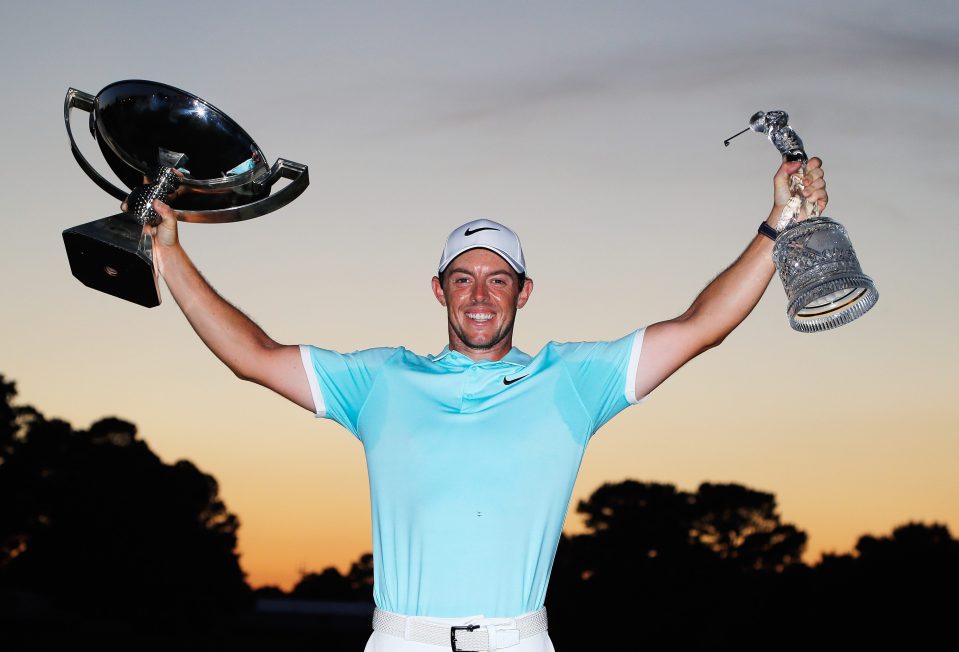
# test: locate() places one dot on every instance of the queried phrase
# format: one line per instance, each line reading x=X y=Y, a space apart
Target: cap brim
x=519 y=269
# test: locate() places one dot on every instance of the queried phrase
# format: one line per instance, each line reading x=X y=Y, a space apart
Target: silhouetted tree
x=356 y=585
x=328 y=584
x=645 y=527
x=891 y=590
x=912 y=548
x=361 y=577
x=666 y=569
x=95 y=520
x=8 y=428
x=656 y=559
x=742 y=527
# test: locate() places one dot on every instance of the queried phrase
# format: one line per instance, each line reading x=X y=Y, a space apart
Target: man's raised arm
x=725 y=302
x=232 y=336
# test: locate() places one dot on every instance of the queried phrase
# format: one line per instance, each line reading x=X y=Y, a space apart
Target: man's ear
x=523 y=296
x=438 y=291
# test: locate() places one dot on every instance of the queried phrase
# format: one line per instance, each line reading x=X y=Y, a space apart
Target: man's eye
x=460 y=280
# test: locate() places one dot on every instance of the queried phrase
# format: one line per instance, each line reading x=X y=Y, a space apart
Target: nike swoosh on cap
x=482 y=228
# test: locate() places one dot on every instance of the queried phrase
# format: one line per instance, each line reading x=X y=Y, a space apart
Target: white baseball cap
x=484 y=234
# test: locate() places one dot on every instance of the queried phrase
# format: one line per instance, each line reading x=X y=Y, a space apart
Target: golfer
x=472 y=453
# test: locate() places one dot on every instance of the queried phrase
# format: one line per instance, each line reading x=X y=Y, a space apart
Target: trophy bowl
x=824 y=284
x=195 y=158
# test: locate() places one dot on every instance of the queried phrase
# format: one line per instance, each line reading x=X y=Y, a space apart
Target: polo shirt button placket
x=470 y=385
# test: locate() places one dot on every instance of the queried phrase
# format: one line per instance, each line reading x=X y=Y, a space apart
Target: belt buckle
x=453 y=629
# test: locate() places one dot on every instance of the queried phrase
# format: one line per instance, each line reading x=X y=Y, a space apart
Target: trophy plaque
x=824 y=284
x=194 y=157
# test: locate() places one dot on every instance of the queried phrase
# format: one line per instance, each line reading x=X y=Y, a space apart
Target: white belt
x=461 y=638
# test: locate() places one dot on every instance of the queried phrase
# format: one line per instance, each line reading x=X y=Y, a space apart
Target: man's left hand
x=814 y=182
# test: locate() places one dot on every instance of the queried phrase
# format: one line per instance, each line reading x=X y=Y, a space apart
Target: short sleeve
x=604 y=374
x=341 y=382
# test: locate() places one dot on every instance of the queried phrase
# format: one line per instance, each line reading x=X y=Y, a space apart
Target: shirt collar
x=514 y=357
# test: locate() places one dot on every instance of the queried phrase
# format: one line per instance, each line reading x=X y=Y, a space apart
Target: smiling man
x=482 y=282
x=472 y=453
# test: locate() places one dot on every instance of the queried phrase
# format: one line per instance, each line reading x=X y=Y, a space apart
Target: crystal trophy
x=194 y=157
x=825 y=286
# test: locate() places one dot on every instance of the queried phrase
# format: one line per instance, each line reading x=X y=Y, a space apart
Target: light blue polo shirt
x=471 y=464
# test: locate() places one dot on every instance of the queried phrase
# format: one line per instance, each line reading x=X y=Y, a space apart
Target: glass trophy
x=825 y=286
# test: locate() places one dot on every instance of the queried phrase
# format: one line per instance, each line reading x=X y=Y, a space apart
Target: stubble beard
x=499 y=337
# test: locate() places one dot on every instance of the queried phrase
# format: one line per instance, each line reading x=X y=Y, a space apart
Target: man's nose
x=479 y=292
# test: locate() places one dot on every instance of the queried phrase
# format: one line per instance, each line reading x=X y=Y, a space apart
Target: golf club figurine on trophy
x=824 y=283
x=196 y=159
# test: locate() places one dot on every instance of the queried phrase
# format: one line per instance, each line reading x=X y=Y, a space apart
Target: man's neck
x=493 y=354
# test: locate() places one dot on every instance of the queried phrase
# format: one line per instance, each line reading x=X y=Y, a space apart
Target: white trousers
x=380 y=642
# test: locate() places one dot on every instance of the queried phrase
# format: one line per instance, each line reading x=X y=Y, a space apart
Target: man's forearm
x=232 y=336
x=732 y=295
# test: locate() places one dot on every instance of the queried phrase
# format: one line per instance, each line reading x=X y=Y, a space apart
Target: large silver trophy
x=194 y=157
x=825 y=285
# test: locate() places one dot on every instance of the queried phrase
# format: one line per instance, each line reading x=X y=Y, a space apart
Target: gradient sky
x=595 y=131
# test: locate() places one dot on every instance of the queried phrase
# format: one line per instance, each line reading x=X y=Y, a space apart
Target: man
x=472 y=453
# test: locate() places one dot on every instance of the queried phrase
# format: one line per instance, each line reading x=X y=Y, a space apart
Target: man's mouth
x=479 y=316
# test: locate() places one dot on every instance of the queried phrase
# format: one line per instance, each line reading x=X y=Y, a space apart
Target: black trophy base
x=105 y=255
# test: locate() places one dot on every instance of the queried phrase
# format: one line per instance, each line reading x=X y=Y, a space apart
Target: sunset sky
x=592 y=129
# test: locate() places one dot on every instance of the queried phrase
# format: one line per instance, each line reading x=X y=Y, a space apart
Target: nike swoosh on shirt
x=482 y=228
x=510 y=382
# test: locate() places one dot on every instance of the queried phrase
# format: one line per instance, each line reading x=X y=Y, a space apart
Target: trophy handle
x=84 y=102
x=299 y=179
x=790 y=214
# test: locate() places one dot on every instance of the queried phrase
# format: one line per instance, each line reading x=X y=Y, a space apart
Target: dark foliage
x=355 y=586
x=98 y=526
x=665 y=569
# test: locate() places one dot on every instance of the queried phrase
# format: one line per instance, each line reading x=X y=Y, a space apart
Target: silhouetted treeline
x=355 y=586
x=666 y=569
x=99 y=538
x=95 y=528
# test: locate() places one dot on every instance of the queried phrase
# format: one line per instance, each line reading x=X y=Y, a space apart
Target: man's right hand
x=165 y=232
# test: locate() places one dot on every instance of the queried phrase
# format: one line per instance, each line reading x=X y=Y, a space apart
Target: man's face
x=481 y=293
